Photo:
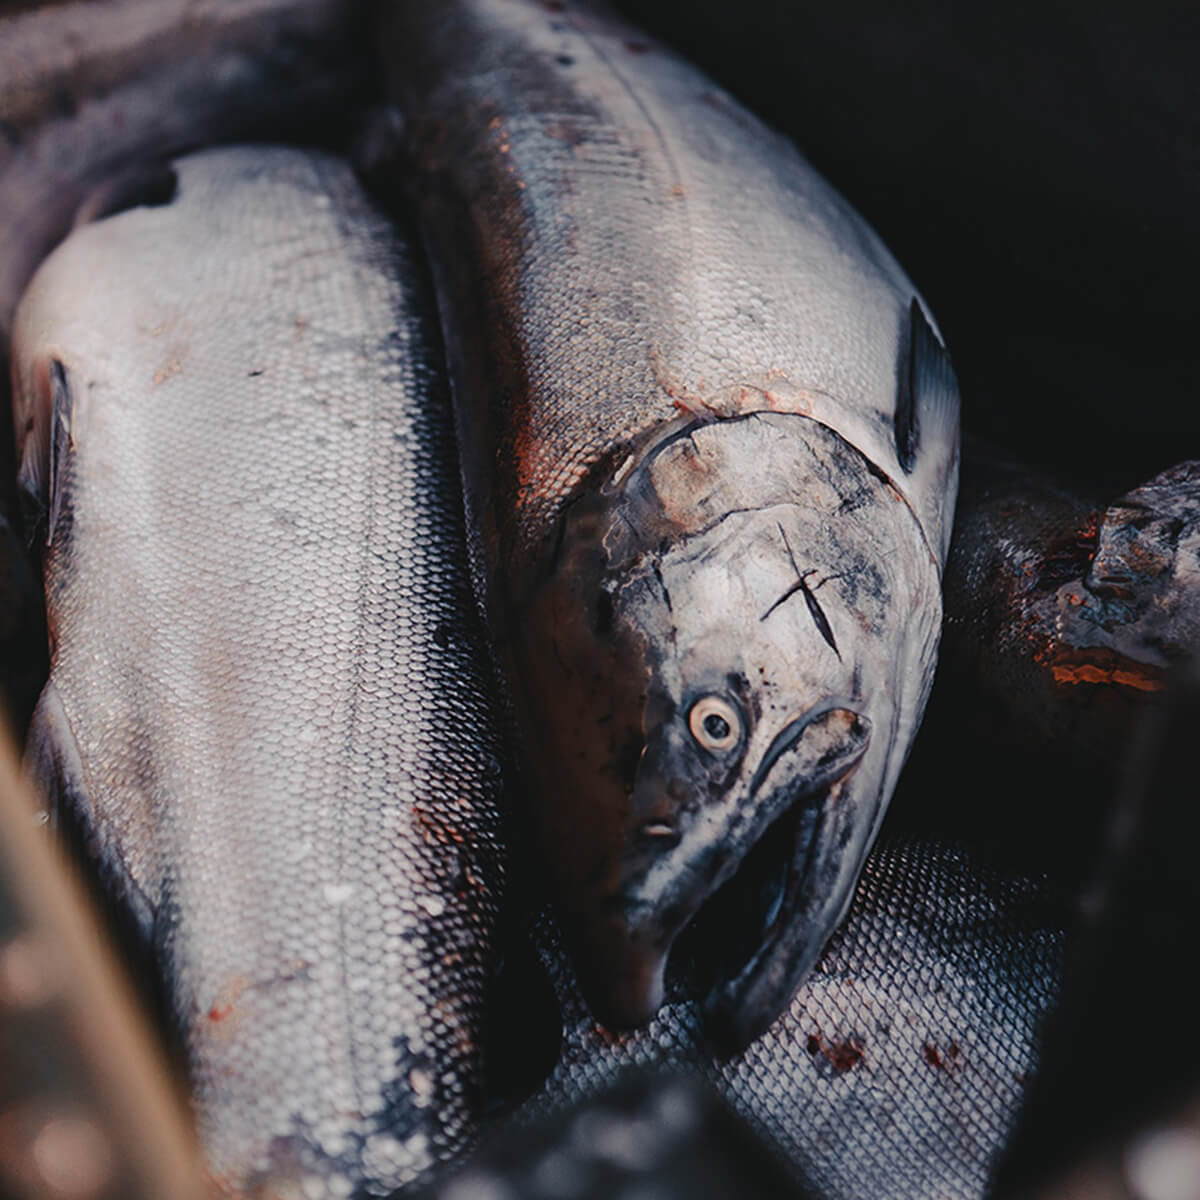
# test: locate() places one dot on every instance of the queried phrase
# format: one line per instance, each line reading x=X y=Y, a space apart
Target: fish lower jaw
x=735 y=938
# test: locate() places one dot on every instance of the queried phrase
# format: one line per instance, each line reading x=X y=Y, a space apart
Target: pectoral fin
x=927 y=422
x=45 y=449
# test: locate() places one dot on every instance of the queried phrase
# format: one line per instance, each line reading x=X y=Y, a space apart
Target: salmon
x=269 y=722
x=710 y=444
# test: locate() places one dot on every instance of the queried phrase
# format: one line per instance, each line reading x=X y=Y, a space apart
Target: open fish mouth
x=752 y=942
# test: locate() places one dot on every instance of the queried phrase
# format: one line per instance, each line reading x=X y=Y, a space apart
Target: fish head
x=737 y=636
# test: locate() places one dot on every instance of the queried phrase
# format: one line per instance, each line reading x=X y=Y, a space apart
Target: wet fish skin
x=1052 y=591
x=269 y=719
x=658 y=318
x=94 y=94
x=900 y=1066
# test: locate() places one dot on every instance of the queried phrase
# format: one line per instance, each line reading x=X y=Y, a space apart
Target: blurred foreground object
x=1115 y=1113
x=86 y=1108
x=649 y=1138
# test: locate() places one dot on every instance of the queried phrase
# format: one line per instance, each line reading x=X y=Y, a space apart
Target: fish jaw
x=801 y=610
x=671 y=877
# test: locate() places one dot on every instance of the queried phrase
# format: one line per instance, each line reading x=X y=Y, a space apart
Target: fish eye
x=715 y=724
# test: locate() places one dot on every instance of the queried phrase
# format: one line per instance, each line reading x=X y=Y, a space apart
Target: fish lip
x=738 y=1009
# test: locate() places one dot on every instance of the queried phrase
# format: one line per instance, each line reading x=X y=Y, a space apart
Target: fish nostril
x=1107 y=577
x=664 y=836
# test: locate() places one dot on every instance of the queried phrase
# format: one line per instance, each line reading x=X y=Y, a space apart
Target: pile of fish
x=708 y=433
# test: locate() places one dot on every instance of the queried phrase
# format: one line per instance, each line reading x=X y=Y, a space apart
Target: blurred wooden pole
x=87 y=1108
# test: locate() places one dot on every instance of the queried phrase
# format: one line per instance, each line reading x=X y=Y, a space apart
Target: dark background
x=1035 y=168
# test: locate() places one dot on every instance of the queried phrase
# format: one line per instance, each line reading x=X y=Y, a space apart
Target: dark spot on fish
x=256 y=372
x=64 y=102
x=564 y=60
x=442 y=635
x=637 y=47
x=10 y=133
x=602 y=621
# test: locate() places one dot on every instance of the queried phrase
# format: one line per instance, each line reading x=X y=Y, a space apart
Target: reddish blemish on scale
x=219 y=1012
x=1089 y=673
x=842 y=1056
x=940 y=1060
x=608 y=1036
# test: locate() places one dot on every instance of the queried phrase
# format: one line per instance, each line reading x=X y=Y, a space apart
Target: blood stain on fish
x=842 y=1056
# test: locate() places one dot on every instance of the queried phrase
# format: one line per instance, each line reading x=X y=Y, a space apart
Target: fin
x=927 y=391
x=149 y=184
x=44 y=451
x=927 y=419
x=61 y=444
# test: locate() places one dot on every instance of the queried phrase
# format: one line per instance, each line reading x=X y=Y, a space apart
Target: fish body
x=710 y=451
x=900 y=1065
x=1066 y=609
x=268 y=718
x=1051 y=589
x=96 y=98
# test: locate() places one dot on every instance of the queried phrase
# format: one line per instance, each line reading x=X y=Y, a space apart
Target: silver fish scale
x=899 y=1068
x=647 y=247
x=267 y=653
